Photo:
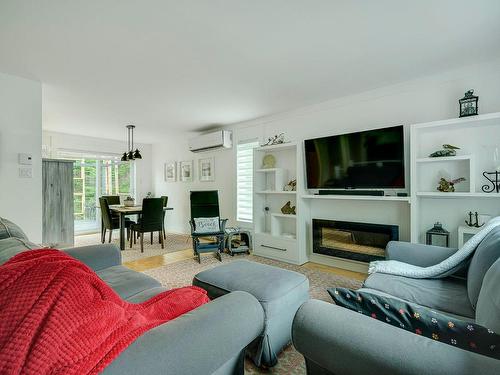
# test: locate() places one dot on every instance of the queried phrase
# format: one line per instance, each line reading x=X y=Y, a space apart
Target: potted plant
x=129 y=202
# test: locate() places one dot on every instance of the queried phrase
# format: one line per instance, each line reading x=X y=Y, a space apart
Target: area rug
x=174 y=242
x=290 y=362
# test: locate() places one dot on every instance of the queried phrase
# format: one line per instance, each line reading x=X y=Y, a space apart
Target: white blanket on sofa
x=394 y=267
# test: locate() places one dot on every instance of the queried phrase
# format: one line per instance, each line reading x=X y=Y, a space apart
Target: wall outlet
x=26 y=172
x=25 y=159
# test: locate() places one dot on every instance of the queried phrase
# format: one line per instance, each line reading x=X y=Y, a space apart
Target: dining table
x=124 y=211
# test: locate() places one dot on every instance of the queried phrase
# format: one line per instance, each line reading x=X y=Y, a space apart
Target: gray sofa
x=335 y=340
x=208 y=340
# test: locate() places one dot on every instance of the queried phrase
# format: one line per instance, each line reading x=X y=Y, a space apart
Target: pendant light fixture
x=131 y=154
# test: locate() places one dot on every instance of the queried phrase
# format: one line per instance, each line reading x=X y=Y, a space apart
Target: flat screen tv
x=372 y=159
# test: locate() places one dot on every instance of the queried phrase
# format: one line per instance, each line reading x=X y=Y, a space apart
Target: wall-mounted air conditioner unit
x=220 y=139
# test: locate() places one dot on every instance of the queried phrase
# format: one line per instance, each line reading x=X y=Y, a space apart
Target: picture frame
x=186 y=169
x=206 y=169
x=171 y=171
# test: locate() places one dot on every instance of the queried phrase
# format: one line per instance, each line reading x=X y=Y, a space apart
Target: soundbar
x=377 y=193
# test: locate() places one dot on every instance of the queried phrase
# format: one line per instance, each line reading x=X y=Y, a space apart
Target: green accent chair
x=205 y=204
x=110 y=222
x=151 y=221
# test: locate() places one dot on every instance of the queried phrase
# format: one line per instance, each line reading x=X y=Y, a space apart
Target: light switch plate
x=26 y=172
x=25 y=159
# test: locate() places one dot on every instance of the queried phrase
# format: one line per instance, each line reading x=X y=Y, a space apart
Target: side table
x=465 y=233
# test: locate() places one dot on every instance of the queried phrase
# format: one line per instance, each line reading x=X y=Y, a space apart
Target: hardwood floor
x=161 y=260
x=338 y=271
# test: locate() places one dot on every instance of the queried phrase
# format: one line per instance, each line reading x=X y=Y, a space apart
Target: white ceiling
x=184 y=65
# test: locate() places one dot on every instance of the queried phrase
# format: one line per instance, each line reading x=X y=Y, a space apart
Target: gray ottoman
x=279 y=291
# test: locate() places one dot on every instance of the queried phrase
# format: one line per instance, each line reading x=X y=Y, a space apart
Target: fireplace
x=355 y=241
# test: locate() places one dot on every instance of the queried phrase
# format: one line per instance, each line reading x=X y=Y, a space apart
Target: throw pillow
x=421 y=321
x=206 y=225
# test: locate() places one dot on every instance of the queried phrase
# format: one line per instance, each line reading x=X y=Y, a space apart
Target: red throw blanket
x=58 y=317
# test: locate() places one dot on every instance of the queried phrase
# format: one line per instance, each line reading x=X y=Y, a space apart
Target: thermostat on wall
x=25 y=159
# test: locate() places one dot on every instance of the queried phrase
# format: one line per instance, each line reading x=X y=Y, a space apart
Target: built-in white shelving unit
x=478 y=137
x=277 y=235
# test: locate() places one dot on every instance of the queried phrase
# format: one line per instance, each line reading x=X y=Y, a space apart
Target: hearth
x=363 y=242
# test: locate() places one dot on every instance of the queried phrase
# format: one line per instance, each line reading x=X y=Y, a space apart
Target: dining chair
x=165 y=201
x=151 y=221
x=111 y=222
x=112 y=199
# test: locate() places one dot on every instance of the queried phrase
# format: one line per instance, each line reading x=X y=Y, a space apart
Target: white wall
x=176 y=149
x=53 y=141
x=21 y=132
x=426 y=99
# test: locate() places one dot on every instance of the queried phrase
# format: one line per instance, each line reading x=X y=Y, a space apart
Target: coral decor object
x=446 y=186
x=275 y=140
x=291 y=186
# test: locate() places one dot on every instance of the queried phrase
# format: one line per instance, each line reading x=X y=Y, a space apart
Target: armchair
x=335 y=340
x=205 y=205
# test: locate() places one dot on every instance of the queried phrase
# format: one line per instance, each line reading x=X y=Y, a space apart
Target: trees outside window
x=93 y=178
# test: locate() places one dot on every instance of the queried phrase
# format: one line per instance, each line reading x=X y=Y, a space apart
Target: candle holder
x=494 y=182
x=468 y=104
x=436 y=235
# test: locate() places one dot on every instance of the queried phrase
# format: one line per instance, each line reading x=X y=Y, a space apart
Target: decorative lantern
x=437 y=236
x=468 y=104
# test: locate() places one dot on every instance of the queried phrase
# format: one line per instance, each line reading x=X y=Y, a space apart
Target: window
x=244 y=180
x=117 y=178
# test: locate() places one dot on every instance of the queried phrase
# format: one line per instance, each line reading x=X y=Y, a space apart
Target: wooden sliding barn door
x=58 y=217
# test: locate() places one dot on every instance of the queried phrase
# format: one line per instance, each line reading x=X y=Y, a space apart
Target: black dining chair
x=112 y=199
x=151 y=221
x=165 y=201
x=110 y=222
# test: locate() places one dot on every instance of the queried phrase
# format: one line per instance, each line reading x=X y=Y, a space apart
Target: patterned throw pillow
x=206 y=225
x=421 y=321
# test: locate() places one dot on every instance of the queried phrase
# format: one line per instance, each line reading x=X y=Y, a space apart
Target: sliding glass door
x=93 y=178
x=85 y=195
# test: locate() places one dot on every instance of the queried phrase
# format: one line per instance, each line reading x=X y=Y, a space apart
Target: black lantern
x=468 y=104
x=437 y=235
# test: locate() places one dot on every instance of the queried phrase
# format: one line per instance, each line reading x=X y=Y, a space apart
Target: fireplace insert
x=363 y=242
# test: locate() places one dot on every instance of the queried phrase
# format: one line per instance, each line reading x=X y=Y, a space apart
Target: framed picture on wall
x=171 y=171
x=186 y=171
x=206 y=169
